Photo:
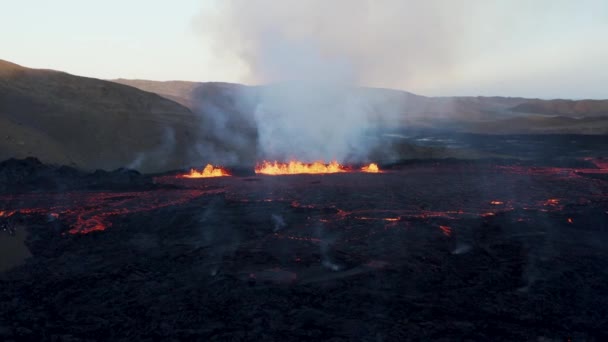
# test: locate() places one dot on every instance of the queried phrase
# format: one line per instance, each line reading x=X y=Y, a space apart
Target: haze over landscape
x=91 y=123
x=306 y=80
x=435 y=48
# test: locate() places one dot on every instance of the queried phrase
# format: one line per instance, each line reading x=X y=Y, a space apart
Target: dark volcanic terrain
x=449 y=250
x=489 y=221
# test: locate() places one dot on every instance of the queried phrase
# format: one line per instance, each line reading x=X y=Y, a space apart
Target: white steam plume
x=315 y=52
x=376 y=43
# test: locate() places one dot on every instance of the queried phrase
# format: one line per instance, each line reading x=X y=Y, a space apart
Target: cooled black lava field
x=452 y=250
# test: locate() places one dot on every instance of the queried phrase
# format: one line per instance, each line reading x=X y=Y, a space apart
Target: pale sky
x=535 y=48
x=146 y=39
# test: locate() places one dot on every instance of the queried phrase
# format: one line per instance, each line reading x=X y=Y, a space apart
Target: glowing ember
x=446 y=230
x=570 y=220
x=552 y=202
x=388 y=219
x=371 y=168
x=208 y=171
x=6 y=213
x=496 y=203
x=296 y=167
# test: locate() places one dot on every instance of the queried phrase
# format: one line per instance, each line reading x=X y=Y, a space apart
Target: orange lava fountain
x=297 y=167
x=371 y=168
x=208 y=171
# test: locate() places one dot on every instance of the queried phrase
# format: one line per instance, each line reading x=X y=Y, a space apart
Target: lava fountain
x=297 y=167
x=208 y=171
x=371 y=168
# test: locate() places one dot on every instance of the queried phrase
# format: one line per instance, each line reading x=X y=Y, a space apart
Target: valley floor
x=431 y=251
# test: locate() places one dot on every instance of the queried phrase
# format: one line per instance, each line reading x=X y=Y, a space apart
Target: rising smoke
x=314 y=53
x=159 y=155
x=375 y=43
x=310 y=122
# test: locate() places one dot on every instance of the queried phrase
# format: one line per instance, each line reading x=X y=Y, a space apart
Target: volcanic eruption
x=371 y=168
x=208 y=172
x=310 y=203
x=319 y=167
x=297 y=167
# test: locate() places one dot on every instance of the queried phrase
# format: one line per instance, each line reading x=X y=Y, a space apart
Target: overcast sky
x=537 y=48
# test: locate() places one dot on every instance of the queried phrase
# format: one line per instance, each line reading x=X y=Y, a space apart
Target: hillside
x=565 y=107
x=395 y=108
x=90 y=123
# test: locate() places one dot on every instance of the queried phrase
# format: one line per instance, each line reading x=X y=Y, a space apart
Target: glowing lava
x=208 y=171
x=371 y=168
x=87 y=212
x=6 y=213
x=446 y=230
x=297 y=167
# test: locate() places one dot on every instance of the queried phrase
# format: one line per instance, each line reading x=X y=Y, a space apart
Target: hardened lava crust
x=422 y=251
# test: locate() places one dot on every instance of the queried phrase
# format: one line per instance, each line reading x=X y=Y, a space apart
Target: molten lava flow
x=87 y=212
x=208 y=171
x=446 y=230
x=297 y=167
x=371 y=168
x=6 y=213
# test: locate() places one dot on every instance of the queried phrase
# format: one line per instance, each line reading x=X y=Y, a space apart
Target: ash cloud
x=314 y=54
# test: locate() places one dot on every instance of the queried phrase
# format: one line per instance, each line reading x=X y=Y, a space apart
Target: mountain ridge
x=86 y=122
x=418 y=111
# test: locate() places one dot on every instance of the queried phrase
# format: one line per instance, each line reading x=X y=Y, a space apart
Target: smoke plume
x=375 y=43
x=158 y=155
x=314 y=53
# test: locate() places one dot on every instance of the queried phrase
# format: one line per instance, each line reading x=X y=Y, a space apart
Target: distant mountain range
x=484 y=115
x=158 y=126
